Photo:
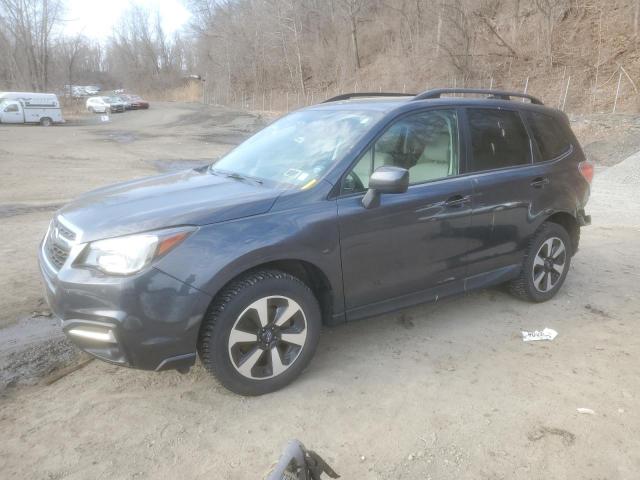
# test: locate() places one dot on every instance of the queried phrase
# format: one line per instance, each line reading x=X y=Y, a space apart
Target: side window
x=426 y=144
x=11 y=108
x=498 y=139
x=549 y=135
x=358 y=179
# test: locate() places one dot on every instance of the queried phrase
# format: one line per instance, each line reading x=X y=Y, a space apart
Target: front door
x=12 y=113
x=412 y=243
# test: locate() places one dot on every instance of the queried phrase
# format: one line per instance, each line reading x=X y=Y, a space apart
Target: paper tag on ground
x=546 y=334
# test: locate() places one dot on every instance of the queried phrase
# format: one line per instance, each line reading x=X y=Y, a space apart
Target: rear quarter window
x=498 y=139
x=549 y=134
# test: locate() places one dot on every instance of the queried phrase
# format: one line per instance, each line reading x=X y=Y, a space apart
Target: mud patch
x=226 y=138
x=12 y=210
x=169 y=166
x=208 y=116
x=539 y=433
x=119 y=136
x=34 y=348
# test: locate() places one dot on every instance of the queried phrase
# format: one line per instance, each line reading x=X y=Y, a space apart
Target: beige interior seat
x=435 y=159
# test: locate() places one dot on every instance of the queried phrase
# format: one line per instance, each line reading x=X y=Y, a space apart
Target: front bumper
x=149 y=320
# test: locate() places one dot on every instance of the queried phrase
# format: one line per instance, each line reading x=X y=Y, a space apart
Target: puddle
x=120 y=136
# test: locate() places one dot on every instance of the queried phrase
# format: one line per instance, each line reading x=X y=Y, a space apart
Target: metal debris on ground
x=586 y=411
x=546 y=334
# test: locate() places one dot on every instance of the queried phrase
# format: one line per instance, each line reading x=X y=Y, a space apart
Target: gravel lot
x=442 y=391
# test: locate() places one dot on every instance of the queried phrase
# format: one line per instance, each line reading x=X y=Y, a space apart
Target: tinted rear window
x=549 y=134
x=498 y=139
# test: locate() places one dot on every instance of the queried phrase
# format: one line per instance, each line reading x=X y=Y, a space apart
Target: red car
x=134 y=102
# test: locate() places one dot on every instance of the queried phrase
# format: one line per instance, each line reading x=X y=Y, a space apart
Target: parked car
x=125 y=100
x=79 y=92
x=116 y=104
x=92 y=89
x=74 y=91
x=97 y=105
x=340 y=211
x=135 y=102
x=30 y=107
x=105 y=104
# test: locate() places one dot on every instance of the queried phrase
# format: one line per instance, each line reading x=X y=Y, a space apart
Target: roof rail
x=499 y=94
x=347 y=96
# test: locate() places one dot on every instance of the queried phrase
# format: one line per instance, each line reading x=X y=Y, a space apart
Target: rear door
x=507 y=190
x=415 y=242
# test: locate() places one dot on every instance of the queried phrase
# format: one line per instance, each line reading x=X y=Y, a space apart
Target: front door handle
x=457 y=201
x=540 y=182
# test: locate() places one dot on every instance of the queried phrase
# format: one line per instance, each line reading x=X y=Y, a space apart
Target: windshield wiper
x=236 y=176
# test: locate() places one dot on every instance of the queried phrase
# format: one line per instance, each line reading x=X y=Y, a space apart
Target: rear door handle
x=540 y=182
x=457 y=201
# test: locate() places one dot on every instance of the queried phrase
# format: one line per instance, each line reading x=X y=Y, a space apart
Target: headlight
x=130 y=254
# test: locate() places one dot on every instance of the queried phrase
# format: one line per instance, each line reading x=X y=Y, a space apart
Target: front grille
x=65 y=232
x=58 y=244
x=56 y=254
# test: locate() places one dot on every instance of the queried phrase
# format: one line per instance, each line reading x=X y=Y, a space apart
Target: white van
x=30 y=107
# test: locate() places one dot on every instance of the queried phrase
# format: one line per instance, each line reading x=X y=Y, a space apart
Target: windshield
x=299 y=148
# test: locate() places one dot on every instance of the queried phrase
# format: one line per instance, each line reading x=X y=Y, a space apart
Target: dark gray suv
x=344 y=210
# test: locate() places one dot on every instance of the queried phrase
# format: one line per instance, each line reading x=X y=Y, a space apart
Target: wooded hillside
x=316 y=48
x=280 y=54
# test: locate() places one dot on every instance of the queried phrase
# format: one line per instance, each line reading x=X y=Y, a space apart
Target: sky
x=96 y=18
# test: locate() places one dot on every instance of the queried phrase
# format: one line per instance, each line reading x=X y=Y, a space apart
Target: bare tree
x=486 y=14
x=550 y=10
x=29 y=25
x=68 y=52
x=458 y=41
x=636 y=17
x=353 y=10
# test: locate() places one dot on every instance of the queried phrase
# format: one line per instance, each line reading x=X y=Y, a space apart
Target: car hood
x=191 y=197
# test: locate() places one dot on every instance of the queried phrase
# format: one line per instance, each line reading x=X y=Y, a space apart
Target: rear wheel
x=545 y=266
x=45 y=122
x=260 y=333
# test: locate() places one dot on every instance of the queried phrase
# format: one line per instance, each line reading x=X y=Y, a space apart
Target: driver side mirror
x=386 y=179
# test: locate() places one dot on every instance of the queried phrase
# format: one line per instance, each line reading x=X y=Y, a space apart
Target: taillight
x=586 y=170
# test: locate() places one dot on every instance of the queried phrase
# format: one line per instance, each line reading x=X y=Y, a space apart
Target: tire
x=92 y=110
x=253 y=356
x=545 y=265
x=45 y=122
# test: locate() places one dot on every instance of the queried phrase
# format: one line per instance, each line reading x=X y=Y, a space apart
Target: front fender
x=217 y=253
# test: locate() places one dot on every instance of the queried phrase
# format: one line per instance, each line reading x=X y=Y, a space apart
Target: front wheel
x=546 y=264
x=260 y=332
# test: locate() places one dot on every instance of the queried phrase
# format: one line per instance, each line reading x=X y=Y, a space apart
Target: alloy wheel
x=549 y=264
x=267 y=337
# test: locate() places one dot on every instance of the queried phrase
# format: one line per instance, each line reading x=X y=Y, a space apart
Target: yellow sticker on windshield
x=309 y=184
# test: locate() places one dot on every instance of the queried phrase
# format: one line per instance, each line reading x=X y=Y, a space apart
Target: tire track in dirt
x=11 y=210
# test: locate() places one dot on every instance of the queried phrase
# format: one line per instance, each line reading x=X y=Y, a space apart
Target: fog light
x=106 y=337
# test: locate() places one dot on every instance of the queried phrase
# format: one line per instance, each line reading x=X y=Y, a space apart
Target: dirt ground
x=442 y=391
